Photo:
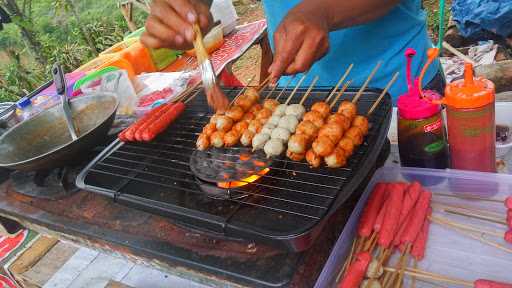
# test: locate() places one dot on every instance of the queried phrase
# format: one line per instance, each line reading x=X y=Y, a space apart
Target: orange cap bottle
x=471 y=122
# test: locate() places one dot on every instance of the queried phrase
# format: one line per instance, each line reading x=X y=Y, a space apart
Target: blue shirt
x=384 y=39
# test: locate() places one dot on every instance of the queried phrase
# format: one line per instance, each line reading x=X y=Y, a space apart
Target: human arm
x=303 y=36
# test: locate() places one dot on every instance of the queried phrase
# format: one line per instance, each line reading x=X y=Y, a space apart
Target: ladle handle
x=60 y=85
x=58 y=79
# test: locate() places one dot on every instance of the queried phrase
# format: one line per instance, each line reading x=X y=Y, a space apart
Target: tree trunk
x=28 y=36
x=84 y=33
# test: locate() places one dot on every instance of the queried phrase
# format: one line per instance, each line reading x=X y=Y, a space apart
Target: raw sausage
x=420 y=244
x=390 y=222
x=417 y=218
x=371 y=210
x=482 y=283
x=356 y=271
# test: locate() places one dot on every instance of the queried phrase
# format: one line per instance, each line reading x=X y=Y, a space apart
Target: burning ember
x=243 y=182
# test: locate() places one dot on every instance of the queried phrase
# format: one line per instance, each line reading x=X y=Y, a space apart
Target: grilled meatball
x=296 y=110
x=214 y=118
x=361 y=122
x=209 y=129
x=231 y=138
x=307 y=128
x=203 y=142
x=336 y=159
x=268 y=128
x=241 y=126
x=323 y=146
x=280 y=110
x=244 y=102
x=274 y=120
x=224 y=123
x=313 y=159
x=348 y=109
x=339 y=119
x=322 y=108
x=289 y=122
x=270 y=104
x=264 y=114
x=255 y=126
x=355 y=135
x=259 y=140
x=331 y=130
x=280 y=134
x=246 y=138
x=273 y=147
x=298 y=143
x=236 y=113
x=315 y=117
x=255 y=108
x=248 y=116
x=295 y=156
x=347 y=145
x=217 y=139
x=252 y=94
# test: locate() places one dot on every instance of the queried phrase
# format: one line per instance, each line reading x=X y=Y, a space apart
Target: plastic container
x=24 y=109
x=421 y=132
x=93 y=76
x=448 y=253
x=471 y=123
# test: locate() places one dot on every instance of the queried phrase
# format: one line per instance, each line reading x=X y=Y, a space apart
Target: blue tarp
x=475 y=17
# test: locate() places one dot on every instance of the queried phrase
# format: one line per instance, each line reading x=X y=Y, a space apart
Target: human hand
x=169 y=24
x=301 y=39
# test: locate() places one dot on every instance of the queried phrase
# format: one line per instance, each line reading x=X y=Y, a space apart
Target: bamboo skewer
x=432 y=276
x=264 y=84
x=342 y=79
x=295 y=89
x=308 y=92
x=444 y=221
x=468 y=210
x=286 y=87
x=470 y=197
x=340 y=93
x=471 y=234
x=390 y=83
x=192 y=97
x=463 y=212
x=363 y=88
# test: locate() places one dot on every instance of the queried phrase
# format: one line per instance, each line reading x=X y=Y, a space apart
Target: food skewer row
x=370 y=77
x=284 y=121
x=150 y=125
x=342 y=79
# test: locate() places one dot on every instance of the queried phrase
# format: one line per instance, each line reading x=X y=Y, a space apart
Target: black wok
x=44 y=142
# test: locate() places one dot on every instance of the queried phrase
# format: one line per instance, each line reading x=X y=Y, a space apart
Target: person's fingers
x=185 y=10
x=167 y=37
x=315 y=46
x=171 y=18
x=287 y=43
x=150 y=41
x=204 y=16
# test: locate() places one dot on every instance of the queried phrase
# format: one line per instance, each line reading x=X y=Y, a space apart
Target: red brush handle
x=482 y=283
x=371 y=211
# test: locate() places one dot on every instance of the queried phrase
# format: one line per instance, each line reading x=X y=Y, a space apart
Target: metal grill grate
x=283 y=207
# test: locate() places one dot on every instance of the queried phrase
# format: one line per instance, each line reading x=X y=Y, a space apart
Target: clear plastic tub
x=448 y=252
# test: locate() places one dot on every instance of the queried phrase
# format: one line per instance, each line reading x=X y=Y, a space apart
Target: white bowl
x=503 y=117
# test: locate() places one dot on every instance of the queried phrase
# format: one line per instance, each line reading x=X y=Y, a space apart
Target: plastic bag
x=118 y=83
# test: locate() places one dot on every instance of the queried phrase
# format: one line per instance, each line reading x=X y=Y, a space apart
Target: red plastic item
x=163 y=122
x=482 y=283
x=380 y=217
x=508 y=236
x=417 y=218
x=420 y=244
x=128 y=134
x=392 y=216
x=471 y=123
x=508 y=202
x=371 y=211
x=356 y=271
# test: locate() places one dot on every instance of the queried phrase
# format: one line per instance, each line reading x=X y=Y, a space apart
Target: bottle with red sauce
x=421 y=131
x=471 y=122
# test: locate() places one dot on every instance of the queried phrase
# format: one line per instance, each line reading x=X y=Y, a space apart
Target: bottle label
x=435 y=147
x=433 y=126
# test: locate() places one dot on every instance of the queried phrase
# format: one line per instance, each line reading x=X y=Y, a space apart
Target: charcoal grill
x=286 y=208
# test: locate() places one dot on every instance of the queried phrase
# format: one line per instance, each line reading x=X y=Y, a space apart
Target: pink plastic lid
x=410 y=105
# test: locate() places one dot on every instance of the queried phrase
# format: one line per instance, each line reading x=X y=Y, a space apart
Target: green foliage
x=59 y=34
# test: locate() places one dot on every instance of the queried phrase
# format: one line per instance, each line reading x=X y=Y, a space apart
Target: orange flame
x=243 y=182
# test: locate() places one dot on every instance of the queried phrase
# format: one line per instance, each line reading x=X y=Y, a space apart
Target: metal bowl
x=8 y=120
x=44 y=142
